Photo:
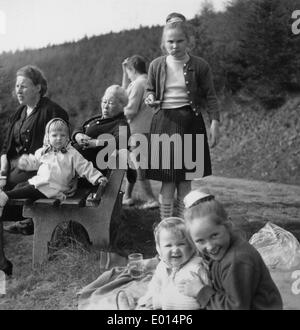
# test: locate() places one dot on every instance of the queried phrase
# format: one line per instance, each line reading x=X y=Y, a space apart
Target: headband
x=174 y=19
x=196 y=197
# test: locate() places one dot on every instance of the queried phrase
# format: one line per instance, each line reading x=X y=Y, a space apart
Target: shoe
x=150 y=205
x=24 y=227
x=128 y=202
x=8 y=269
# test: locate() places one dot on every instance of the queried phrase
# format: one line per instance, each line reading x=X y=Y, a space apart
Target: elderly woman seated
x=90 y=138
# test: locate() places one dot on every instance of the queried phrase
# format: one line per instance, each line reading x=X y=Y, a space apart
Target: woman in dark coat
x=25 y=135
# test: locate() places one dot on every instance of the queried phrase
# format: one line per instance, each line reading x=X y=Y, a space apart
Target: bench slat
x=19 y=201
x=79 y=198
x=48 y=201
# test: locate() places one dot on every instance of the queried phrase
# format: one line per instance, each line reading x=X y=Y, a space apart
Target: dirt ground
x=249 y=203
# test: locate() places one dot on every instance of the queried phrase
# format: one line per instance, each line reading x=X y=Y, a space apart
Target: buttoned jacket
x=44 y=111
x=198 y=80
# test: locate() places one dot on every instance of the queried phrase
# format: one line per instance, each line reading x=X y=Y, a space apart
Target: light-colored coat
x=56 y=170
x=162 y=291
x=139 y=115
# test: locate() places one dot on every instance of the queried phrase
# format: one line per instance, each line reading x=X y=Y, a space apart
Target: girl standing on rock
x=178 y=85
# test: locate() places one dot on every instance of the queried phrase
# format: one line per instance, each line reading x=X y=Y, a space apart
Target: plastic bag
x=278 y=247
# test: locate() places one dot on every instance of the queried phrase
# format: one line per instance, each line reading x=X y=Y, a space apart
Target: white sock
x=179 y=208
x=166 y=206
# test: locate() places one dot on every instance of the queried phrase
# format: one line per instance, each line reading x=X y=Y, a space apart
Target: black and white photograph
x=150 y=157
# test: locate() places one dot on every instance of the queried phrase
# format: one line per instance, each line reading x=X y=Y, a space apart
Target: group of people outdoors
x=203 y=263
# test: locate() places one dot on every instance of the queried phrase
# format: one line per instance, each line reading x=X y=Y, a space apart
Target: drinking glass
x=135 y=265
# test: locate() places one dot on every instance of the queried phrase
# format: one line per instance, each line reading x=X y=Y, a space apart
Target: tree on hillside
x=268 y=49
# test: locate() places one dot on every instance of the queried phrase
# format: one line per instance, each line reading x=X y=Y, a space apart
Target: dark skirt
x=187 y=160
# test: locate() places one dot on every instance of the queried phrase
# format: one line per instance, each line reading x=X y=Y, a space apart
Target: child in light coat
x=57 y=164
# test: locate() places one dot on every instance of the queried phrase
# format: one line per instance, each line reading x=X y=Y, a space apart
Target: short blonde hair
x=174 y=225
x=120 y=94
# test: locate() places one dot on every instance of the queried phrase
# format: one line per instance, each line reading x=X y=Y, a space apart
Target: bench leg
x=44 y=226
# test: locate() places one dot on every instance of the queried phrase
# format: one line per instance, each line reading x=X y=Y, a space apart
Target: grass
x=55 y=285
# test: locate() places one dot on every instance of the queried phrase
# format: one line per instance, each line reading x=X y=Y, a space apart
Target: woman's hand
x=150 y=101
x=124 y=64
x=82 y=139
x=125 y=78
x=191 y=287
x=23 y=162
x=89 y=144
x=214 y=133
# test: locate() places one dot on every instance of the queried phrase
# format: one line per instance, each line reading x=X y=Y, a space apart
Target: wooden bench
x=95 y=211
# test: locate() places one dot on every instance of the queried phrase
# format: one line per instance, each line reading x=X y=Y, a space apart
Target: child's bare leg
x=128 y=193
x=166 y=199
x=147 y=189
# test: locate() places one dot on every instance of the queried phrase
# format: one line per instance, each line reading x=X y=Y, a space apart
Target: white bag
x=278 y=247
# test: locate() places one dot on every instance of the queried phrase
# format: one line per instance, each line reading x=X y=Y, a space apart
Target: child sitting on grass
x=239 y=277
x=179 y=262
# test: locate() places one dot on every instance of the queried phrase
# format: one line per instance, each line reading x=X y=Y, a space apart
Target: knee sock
x=179 y=208
x=166 y=206
x=183 y=188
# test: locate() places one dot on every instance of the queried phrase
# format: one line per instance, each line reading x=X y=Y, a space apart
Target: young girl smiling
x=239 y=277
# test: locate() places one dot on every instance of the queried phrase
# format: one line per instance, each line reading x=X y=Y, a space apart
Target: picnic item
x=278 y=247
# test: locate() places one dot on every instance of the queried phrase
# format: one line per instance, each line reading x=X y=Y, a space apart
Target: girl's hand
x=191 y=287
x=82 y=139
x=214 y=133
x=150 y=100
x=102 y=181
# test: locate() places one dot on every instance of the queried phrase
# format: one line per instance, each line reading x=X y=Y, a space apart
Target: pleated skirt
x=188 y=156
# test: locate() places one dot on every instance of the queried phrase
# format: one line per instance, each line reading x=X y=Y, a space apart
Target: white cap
x=193 y=197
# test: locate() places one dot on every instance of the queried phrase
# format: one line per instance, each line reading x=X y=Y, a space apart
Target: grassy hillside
x=251 y=50
x=259 y=144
